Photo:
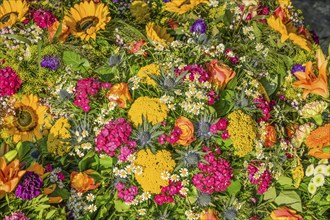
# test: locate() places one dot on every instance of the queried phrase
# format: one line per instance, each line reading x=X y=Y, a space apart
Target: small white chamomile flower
x=142 y=211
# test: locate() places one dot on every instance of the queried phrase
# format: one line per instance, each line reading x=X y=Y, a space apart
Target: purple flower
x=29 y=187
x=199 y=26
x=50 y=62
x=16 y=216
x=297 y=68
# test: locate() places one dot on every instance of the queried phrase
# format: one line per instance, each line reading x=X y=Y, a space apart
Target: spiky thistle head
x=168 y=81
x=146 y=135
x=189 y=157
x=203 y=127
x=230 y=213
x=204 y=199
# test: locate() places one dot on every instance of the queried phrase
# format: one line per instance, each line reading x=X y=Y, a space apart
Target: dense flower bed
x=138 y=109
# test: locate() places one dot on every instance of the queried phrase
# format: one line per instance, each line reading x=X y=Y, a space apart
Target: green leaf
x=257 y=31
x=106 y=162
x=19 y=38
x=102 y=212
x=103 y=70
x=283 y=180
x=58 y=32
x=226 y=103
x=39 y=51
x=270 y=83
x=270 y=194
x=78 y=63
x=23 y=149
x=289 y=198
x=50 y=214
x=120 y=206
x=234 y=188
x=90 y=161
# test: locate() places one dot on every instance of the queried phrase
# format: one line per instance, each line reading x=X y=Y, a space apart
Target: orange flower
x=10 y=176
x=53 y=29
x=36 y=168
x=319 y=141
x=312 y=84
x=220 y=74
x=209 y=215
x=136 y=46
x=285 y=214
x=52 y=199
x=187 y=129
x=270 y=136
x=119 y=94
x=82 y=182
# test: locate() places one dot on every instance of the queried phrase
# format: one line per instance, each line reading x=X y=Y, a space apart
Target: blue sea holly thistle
x=146 y=135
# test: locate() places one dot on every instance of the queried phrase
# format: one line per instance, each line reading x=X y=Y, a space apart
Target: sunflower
x=12 y=11
x=158 y=34
x=87 y=18
x=28 y=121
x=183 y=6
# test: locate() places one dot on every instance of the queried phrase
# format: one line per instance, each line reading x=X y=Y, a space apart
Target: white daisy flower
x=312 y=188
x=310 y=170
x=318 y=180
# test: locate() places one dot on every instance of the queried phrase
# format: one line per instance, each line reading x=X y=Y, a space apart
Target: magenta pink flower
x=85 y=88
x=9 y=82
x=115 y=135
x=215 y=176
x=126 y=193
x=192 y=71
x=264 y=180
x=43 y=19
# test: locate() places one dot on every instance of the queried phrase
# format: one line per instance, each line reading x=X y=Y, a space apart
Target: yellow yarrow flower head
x=57 y=139
x=158 y=34
x=151 y=108
x=243 y=131
x=153 y=166
x=151 y=69
x=140 y=11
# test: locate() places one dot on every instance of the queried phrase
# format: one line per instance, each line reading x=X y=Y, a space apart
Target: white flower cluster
x=319 y=173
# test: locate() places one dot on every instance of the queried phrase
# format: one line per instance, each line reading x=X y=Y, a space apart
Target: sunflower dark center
x=87 y=23
x=6 y=17
x=26 y=118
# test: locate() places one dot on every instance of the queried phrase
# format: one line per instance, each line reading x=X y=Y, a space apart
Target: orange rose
x=187 y=129
x=119 y=94
x=10 y=176
x=270 y=136
x=285 y=214
x=220 y=74
x=209 y=215
x=53 y=29
x=82 y=182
